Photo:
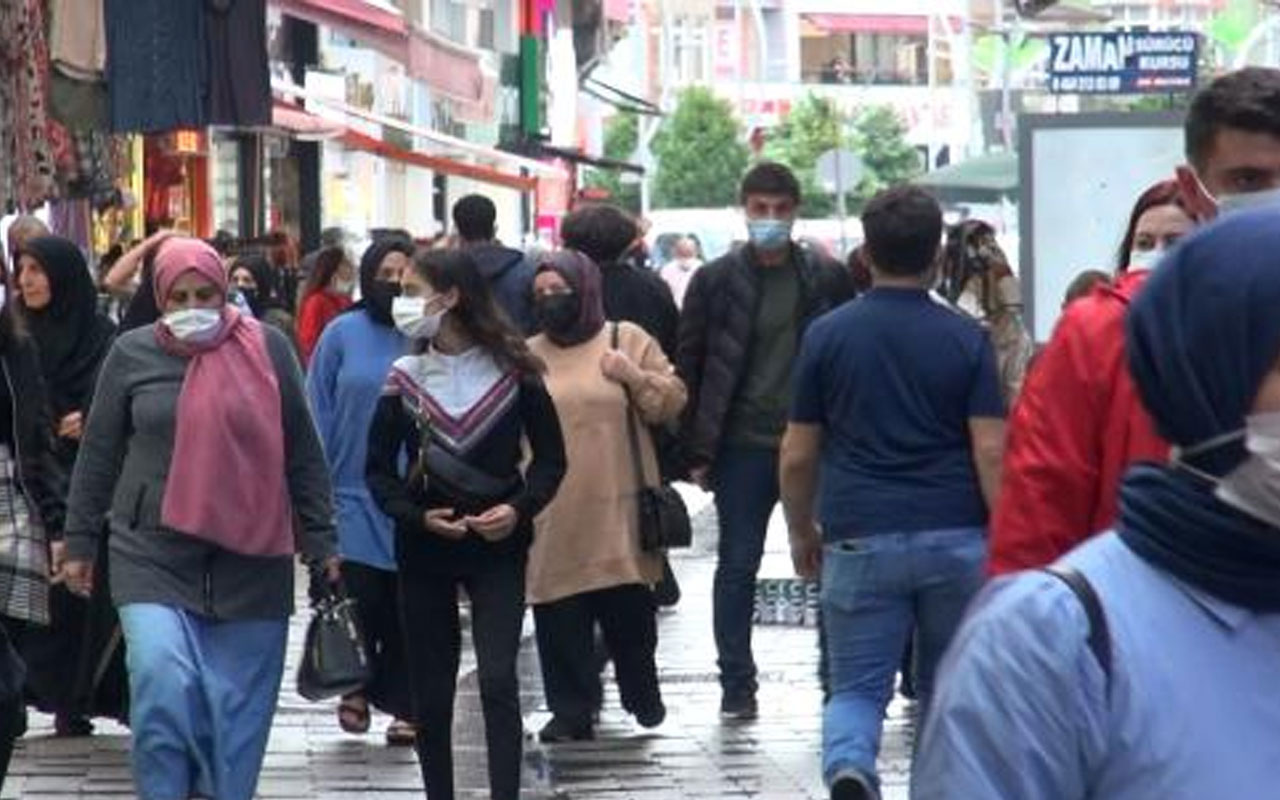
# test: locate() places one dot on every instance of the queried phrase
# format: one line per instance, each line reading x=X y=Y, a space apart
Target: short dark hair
x=903 y=228
x=769 y=177
x=600 y=230
x=1246 y=100
x=474 y=217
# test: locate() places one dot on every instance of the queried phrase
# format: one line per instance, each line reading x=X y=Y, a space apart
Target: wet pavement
x=691 y=755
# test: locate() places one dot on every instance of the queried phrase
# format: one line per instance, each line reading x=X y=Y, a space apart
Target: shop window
x=866 y=58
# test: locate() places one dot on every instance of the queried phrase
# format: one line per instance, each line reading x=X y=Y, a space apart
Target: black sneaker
x=560 y=729
x=652 y=717
x=739 y=707
x=852 y=785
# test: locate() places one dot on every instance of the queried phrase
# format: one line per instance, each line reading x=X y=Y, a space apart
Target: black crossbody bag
x=664 y=519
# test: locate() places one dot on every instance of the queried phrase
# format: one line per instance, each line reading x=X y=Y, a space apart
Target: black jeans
x=566 y=650
x=433 y=644
x=378 y=608
x=745 y=481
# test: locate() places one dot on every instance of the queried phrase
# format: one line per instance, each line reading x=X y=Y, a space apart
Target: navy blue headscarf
x=1202 y=335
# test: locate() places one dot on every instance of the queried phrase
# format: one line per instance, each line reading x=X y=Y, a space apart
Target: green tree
x=880 y=138
x=813 y=127
x=700 y=153
x=621 y=138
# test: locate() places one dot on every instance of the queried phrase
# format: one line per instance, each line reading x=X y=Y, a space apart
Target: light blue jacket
x=1021 y=711
x=348 y=370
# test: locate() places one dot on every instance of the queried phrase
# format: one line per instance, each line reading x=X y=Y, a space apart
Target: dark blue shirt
x=893 y=378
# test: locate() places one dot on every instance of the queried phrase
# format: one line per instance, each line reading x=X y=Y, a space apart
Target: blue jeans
x=745 y=481
x=203 y=696
x=875 y=591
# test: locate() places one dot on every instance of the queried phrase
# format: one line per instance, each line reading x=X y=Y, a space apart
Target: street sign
x=1122 y=63
x=839 y=171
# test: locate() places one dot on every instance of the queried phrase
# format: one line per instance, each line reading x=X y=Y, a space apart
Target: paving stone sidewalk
x=692 y=755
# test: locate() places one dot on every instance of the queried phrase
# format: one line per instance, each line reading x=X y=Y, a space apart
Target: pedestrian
x=21 y=230
x=1084 y=284
x=31 y=512
x=740 y=331
x=253 y=280
x=326 y=295
x=607 y=235
x=977 y=279
x=458 y=416
x=201 y=449
x=898 y=417
x=1152 y=679
x=348 y=371
x=59 y=306
x=282 y=253
x=677 y=272
x=587 y=566
x=1079 y=424
x=509 y=273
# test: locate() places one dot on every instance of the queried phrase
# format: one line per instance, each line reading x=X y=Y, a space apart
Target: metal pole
x=1006 y=77
x=840 y=202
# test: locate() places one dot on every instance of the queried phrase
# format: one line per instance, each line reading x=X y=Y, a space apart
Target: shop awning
x=359 y=141
x=900 y=24
x=985 y=178
x=380 y=28
x=298 y=123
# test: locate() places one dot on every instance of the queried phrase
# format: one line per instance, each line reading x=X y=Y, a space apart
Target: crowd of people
x=436 y=425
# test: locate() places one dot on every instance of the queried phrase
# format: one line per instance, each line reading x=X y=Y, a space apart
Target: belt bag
x=463 y=482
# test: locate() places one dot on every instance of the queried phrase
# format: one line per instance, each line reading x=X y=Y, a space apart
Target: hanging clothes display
x=26 y=154
x=239 y=74
x=78 y=53
x=174 y=64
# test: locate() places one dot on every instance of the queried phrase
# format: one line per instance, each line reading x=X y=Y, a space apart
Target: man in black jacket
x=509 y=273
x=740 y=328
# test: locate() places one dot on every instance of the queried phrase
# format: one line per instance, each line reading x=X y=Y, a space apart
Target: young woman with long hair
x=326 y=295
x=462 y=410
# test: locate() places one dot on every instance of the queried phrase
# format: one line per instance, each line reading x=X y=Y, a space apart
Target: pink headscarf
x=226 y=480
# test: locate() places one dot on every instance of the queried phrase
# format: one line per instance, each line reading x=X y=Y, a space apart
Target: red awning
x=301 y=124
x=384 y=30
x=369 y=144
x=900 y=24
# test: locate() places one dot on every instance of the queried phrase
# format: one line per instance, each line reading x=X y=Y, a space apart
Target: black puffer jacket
x=715 y=336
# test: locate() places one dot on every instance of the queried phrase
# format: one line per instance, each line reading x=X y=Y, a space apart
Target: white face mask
x=193 y=325
x=1254 y=486
x=411 y=318
x=1145 y=259
x=1230 y=203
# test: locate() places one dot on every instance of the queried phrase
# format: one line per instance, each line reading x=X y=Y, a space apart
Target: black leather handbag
x=664 y=518
x=334 y=660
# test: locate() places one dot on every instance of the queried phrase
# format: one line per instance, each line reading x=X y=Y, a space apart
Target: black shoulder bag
x=334 y=660
x=664 y=519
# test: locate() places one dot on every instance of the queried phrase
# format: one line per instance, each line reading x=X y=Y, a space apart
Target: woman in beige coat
x=586 y=566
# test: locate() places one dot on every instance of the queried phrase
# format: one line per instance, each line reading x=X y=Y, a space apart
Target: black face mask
x=556 y=312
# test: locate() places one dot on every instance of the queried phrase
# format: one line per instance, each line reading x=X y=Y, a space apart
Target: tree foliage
x=880 y=138
x=700 y=153
x=621 y=138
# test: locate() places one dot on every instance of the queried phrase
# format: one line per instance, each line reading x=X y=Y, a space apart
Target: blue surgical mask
x=769 y=234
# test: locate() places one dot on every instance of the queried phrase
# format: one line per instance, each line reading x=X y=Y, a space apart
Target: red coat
x=1075 y=430
x=318 y=310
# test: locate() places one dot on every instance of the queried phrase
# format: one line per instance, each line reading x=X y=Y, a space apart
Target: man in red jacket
x=1079 y=425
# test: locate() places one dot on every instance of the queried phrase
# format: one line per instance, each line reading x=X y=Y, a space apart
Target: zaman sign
x=1122 y=63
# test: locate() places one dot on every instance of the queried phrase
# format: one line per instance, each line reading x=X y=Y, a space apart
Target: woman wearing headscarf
x=348 y=372
x=1154 y=676
x=326 y=295
x=31 y=511
x=254 y=280
x=59 y=305
x=586 y=566
x=1078 y=424
x=447 y=463
x=201 y=449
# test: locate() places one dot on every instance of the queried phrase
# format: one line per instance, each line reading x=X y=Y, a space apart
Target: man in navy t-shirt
x=897 y=429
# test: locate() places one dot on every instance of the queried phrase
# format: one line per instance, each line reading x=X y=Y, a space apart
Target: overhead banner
x=1122 y=63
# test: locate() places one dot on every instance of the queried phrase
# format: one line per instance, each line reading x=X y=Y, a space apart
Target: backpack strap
x=1099 y=631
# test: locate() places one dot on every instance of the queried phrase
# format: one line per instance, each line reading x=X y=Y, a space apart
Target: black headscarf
x=267 y=297
x=72 y=334
x=583 y=276
x=1203 y=334
x=375 y=295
